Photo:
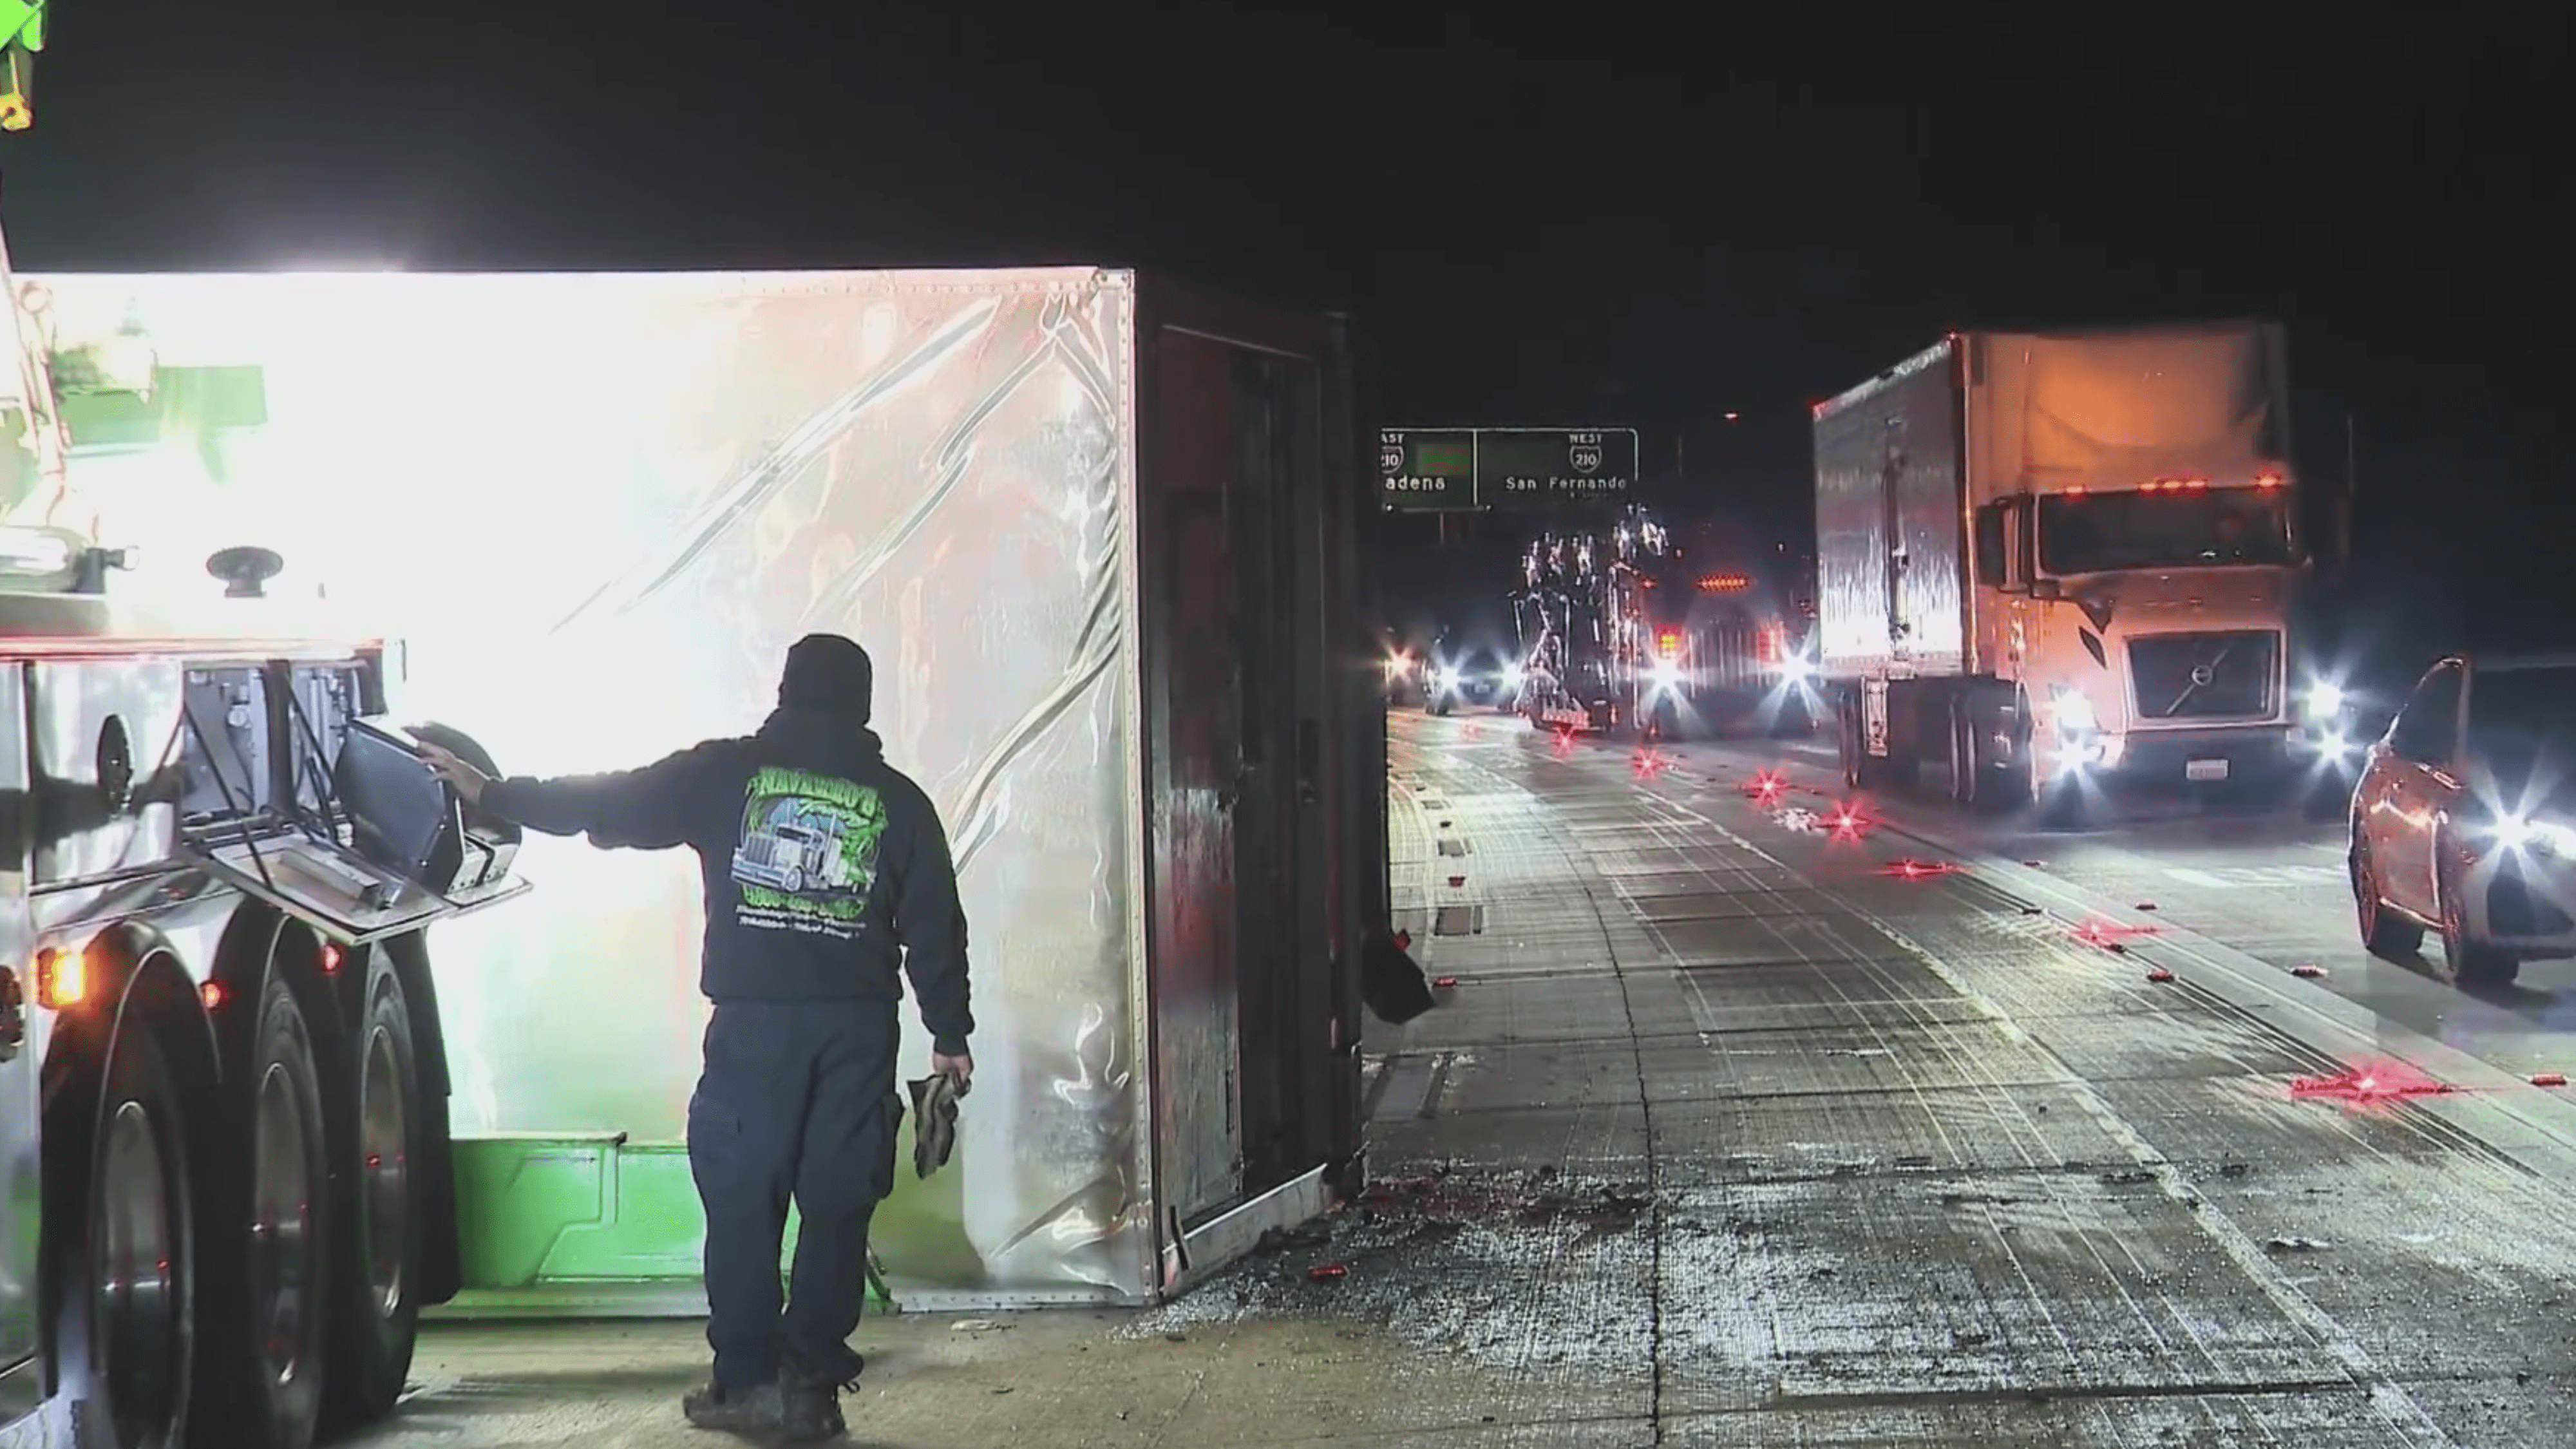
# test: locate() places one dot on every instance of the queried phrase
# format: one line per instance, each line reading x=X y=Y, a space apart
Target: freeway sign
x=1435 y=470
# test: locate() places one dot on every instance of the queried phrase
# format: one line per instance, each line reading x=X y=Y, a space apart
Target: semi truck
x=2047 y=560
x=1624 y=631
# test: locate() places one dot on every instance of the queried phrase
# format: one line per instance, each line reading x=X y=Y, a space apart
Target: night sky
x=1647 y=224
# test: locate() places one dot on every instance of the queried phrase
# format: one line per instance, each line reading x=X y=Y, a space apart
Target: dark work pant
x=797 y=1100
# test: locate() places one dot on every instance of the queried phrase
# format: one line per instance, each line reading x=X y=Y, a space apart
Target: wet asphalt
x=1734 y=1130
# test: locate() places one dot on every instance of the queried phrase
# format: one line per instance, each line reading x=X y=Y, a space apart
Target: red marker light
x=211 y=993
x=330 y=958
x=2109 y=934
x=2383 y=1082
x=1846 y=821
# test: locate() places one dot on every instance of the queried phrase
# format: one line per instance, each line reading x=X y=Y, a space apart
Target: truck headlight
x=1796 y=670
x=2324 y=700
x=1512 y=677
x=1667 y=674
x=2075 y=712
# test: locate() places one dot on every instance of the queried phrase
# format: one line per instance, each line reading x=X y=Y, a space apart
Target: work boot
x=734 y=1411
x=809 y=1405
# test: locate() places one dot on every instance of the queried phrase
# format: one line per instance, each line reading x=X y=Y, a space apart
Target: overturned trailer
x=1101 y=533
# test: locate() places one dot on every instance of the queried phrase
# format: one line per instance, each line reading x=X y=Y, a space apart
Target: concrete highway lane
x=1980 y=1152
x=2270 y=884
x=1731 y=1130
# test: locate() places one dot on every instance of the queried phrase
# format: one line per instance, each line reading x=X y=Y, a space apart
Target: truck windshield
x=2085 y=533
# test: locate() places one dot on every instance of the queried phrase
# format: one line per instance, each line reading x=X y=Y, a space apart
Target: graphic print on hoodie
x=808 y=853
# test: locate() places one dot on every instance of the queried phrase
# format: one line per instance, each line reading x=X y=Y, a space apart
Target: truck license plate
x=2205 y=770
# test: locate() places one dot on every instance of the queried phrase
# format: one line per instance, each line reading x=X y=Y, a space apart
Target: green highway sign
x=1449 y=469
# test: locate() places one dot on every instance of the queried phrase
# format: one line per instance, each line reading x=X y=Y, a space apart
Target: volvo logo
x=2201 y=675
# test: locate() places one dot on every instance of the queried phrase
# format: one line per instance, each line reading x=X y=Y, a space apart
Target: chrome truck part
x=1098 y=531
x=204 y=919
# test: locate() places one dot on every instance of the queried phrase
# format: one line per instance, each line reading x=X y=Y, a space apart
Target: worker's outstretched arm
x=930 y=925
x=653 y=808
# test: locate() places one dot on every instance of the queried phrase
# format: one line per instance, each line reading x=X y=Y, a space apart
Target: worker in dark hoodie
x=823 y=867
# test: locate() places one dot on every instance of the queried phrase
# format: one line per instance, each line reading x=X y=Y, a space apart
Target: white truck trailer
x=2046 y=559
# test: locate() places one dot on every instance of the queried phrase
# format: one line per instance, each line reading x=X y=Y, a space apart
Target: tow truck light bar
x=1724 y=583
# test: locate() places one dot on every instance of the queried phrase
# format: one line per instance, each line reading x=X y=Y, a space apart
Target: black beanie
x=827 y=674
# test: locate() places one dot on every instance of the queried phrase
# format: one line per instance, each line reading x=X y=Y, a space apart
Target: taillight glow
x=1846 y=821
x=330 y=958
x=1668 y=640
x=1725 y=583
x=1920 y=869
x=212 y=994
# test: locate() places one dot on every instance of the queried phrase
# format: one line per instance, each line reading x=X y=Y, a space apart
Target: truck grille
x=760 y=850
x=2205 y=676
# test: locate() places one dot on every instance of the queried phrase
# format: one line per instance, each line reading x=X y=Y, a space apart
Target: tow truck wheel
x=138 y=1271
x=261 y=1368
x=376 y=1234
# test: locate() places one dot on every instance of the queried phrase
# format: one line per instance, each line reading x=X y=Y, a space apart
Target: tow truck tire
x=376 y=1233
x=130 y=1294
x=262 y=1362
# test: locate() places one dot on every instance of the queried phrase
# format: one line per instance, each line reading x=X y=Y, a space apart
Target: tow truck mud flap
x=342 y=898
x=582 y=1225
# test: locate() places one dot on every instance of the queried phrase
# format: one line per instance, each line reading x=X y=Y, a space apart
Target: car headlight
x=1667 y=674
x=2075 y=712
x=2324 y=700
x=1512 y=677
x=1444 y=677
x=2514 y=832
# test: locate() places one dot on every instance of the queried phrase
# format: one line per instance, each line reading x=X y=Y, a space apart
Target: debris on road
x=2295 y=1245
x=2160 y=974
x=2308 y=969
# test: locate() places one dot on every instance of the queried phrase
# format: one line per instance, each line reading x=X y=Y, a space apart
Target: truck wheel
x=376 y=1234
x=261 y=1369
x=138 y=1287
x=793 y=880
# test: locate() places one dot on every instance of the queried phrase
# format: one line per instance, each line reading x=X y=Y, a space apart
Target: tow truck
x=225 y=1181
